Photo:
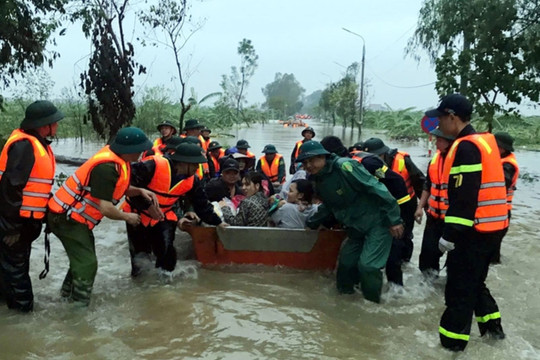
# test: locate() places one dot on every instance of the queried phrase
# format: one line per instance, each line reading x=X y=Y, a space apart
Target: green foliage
x=108 y=82
x=170 y=17
x=340 y=99
x=235 y=84
x=156 y=106
x=284 y=95
x=26 y=27
x=485 y=49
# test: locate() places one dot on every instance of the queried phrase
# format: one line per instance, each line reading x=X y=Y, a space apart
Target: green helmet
x=130 y=140
x=188 y=153
x=40 y=113
x=310 y=149
x=375 y=146
x=438 y=133
x=167 y=123
x=505 y=141
x=269 y=149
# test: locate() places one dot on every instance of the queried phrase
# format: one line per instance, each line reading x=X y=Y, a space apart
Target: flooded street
x=257 y=312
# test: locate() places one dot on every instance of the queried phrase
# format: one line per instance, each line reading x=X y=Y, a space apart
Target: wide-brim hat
x=167 y=123
x=130 y=140
x=310 y=149
x=173 y=142
x=505 y=141
x=242 y=144
x=269 y=149
x=375 y=146
x=438 y=133
x=214 y=145
x=40 y=113
x=188 y=153
x=309 y=128
x=452 y=104
x=193 y=124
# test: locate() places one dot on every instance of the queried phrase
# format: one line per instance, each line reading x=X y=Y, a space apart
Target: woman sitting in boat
x=293 y=213
x=253 y=210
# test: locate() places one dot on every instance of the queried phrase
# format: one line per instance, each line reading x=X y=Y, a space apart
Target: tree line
x=486 y=49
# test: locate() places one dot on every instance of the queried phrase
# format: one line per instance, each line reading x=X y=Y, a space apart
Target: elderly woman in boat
x=253 y=210
x=353 y=197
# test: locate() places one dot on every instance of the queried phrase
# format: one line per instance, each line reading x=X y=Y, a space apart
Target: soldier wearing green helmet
x=27 y=166
x=171 y=177
x=87 y=196
x=354 y=198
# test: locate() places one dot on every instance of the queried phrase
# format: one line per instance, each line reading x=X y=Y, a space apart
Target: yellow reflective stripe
x=484 y=144
x=486 y=318
x=466 y=168
x=125 y=170
x=404 y=199
x=384 y=168
x=458 y=220
x=434 y=159
x=453 y=335
x=401 y=165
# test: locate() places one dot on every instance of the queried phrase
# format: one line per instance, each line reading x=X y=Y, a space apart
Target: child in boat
x=253 y=210
x=293 y=213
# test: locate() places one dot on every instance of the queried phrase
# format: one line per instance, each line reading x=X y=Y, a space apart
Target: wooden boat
x=294 y=248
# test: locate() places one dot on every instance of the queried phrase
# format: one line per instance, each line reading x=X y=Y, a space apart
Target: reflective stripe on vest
x=398 y=165
x=297 y=148
x=160 y=184
x=158 y=146
x=37 y=190
x=438 y=199
x=511 y=159
x=271 y=171
x=492 y=211
x=74 y=198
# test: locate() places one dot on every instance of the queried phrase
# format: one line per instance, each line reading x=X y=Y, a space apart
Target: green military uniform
x=79 y=241
x=357 y=200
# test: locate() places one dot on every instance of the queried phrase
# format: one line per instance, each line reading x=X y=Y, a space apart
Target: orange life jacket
x=205 y=143
x=158 y=146
x=359 y=155
x=250 y=154
x=511 y=159
x=161 y=186
x=37 y=190
x=74 y=196
x=398 y=165
x=297 y=148
x=438 y=195
x=271 y=170
x=216 y=160
x=492 y=212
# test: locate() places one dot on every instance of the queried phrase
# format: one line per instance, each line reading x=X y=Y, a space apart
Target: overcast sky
x=290 y=36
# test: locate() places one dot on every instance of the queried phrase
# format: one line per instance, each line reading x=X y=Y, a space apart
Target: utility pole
x=361 y=117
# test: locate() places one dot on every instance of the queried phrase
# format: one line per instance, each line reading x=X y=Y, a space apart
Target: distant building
x=378 y=107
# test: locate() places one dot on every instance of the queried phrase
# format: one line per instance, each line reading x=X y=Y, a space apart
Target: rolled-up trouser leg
x=162 y=235
x=347 y=272
x=430 y=254
x=14 y=267
x=79 y=244
x=374 y=255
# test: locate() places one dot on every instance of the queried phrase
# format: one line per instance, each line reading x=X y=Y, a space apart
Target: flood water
x=257 y=312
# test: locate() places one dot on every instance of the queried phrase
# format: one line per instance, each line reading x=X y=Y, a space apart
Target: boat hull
x=299 y=249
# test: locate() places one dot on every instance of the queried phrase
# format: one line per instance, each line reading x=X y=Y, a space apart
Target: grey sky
x=300 y=37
